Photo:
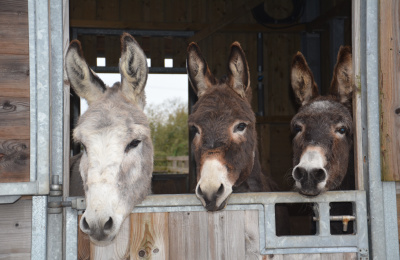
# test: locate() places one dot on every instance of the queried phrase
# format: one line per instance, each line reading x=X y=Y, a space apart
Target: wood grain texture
x=83 y=243
x=188 y=235
x=15 y=230
x=389 y=88
x=14 y=75
x=149 y=236
x=14 y=33
x=14 y=160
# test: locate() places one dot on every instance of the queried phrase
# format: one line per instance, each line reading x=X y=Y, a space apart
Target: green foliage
x=169 y=129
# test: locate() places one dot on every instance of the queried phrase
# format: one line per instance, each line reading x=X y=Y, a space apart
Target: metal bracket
x=55 y=207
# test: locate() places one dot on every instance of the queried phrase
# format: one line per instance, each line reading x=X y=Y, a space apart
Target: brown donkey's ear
x=302 y=80
x=342 y=81
x=83 y=80
x=134 y=71
x=238 y=71
x=200 y=76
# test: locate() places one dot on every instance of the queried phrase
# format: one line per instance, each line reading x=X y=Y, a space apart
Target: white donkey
x=117 y=163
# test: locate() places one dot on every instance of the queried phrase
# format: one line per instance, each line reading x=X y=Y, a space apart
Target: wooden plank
x=83 y=243
x=222 y=235
x=264 y=146
x=179 y=55
x=112 y=50
x=130 y=11
x=227 y=19
x=188 y=235
x=118 y=249
x=149 y=236
x=89 y=46
x=14 y=75
x=107 y=10
x=357 y=117
x=14 y=33
x=157 y=52
x=82 y=9
x=389 y=88
x=14 y=6
x=16 y=230
x=14 y=160
x=14 y=118
x=252 y=235
x=302 y=256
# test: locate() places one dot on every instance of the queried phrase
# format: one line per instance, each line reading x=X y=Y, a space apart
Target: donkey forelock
x=117 y=162
x=322 y=128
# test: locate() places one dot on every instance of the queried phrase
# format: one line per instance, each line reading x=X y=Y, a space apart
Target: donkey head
x=223 y=125
x=322 y=128
x=117 y=161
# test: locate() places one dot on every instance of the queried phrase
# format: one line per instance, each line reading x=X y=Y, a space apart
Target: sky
x=159 y=87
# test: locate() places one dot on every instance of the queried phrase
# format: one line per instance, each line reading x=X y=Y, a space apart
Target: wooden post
x=389 y=60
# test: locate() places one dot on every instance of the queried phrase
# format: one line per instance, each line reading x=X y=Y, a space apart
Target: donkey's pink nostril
x=108 y=225
x=299 y=173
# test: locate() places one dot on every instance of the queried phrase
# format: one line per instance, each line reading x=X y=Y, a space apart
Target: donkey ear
x=302 y=79
x=133 y=68
x=342 y=81
x=200 y=76
x=83 y=80
x=238 y=70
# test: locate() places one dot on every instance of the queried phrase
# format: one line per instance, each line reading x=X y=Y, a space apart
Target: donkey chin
x=214 y=187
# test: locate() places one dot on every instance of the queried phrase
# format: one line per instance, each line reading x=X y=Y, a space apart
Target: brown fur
x=321 y=119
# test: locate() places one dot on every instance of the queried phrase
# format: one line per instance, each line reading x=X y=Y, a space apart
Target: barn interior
x=270 y=32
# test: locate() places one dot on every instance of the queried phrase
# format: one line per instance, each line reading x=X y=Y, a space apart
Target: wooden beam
x=339 y=10
x=227 y=19
x=182 y=26
x=389 y=88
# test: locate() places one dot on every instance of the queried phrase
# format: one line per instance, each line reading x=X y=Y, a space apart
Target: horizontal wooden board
x=14 y=75
x=14 y=36
x=13 y=6
x=14 y=160
x=15 y=230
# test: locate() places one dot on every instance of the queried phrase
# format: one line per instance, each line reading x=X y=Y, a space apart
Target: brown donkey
x=224 y=129
x=323 y=128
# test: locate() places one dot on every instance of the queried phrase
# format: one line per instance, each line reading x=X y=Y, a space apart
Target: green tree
x=169 y=129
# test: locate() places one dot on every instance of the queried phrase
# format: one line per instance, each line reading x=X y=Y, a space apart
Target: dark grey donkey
x=117 y=162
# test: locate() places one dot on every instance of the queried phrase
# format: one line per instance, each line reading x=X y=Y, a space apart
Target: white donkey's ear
x=83 y=80
x=133 y=68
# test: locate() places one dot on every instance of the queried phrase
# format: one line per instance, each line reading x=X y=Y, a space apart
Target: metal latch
x=55 y=187
x=55 y=207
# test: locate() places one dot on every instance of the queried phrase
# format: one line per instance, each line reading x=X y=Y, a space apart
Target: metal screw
x=155 y=251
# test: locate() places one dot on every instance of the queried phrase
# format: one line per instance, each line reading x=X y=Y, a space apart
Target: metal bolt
x=155 y=251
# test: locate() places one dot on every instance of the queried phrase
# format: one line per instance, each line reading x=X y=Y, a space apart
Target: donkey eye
x=342 y=130
x=297 y=129
x=83 y=147
x=240 y=127
x=132 y=144
x=194 y=129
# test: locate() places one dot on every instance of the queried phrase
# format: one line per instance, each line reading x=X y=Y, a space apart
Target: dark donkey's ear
x=302 y=80
x=199 y=74
x=83 y=80
x=342 y=81
x=133 y=68
x=238 y=71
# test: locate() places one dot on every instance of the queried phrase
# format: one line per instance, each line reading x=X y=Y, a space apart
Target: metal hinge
x=55 y=187
x=55 y=207
x=363 y=254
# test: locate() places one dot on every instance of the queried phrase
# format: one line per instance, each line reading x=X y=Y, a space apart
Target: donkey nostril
x=85 y=224
x=199 y=191
x=220 y=190
x=108 y=225
x=299 y=173
x=319 y=174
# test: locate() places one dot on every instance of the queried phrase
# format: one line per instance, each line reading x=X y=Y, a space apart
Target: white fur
x=312 y=158
x=213 y=174
x=320 y=105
